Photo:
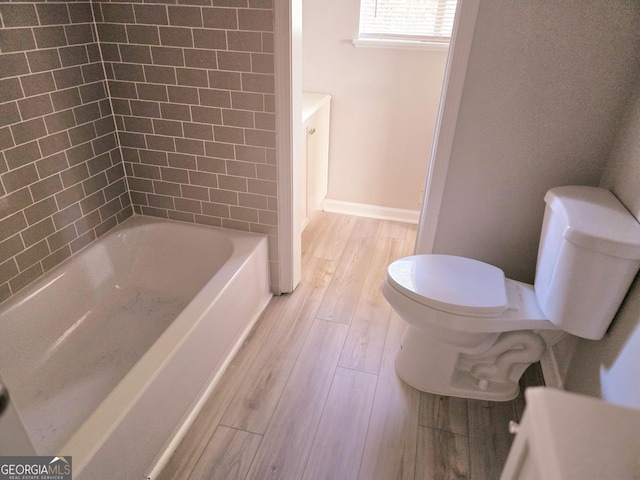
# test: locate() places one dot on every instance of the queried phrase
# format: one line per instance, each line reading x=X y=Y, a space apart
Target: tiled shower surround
x=165 y=108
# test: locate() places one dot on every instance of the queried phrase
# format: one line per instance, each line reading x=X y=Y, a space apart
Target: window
x=389 y=22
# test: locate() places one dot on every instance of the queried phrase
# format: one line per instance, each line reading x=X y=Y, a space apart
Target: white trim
x=400 y=44
x=372 y=211
x=288 y=83
x=454 y=78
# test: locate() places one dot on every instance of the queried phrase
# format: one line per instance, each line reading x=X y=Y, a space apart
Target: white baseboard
x=372 y=211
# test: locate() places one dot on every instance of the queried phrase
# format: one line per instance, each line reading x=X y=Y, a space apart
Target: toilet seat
x=457 y=285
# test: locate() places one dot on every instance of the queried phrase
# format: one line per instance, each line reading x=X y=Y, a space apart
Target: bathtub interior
x=69 y=339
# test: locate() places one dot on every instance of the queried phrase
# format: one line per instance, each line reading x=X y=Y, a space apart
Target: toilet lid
x=456 y=285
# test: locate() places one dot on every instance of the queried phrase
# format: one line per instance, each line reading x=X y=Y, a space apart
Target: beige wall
x=546 y=85
x=383 y=110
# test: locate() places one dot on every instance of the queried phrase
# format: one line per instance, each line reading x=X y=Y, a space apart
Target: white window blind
x=416 y=20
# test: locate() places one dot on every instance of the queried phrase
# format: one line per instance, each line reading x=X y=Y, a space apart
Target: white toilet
x=472 y=332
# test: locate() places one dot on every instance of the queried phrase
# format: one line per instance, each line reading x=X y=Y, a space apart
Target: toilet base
x=472 y=392
x=432 y=365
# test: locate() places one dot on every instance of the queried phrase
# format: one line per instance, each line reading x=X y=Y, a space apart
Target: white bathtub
x=109 y=356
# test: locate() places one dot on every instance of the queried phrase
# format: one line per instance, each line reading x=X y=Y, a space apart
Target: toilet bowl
x=456 y=309
x=471 y=332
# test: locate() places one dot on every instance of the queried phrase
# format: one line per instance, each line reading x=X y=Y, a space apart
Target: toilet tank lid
x=457 y=285
x=595 y=219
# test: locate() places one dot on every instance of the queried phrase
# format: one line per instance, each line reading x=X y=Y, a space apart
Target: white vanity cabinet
x=315 y=152
x=566 y=436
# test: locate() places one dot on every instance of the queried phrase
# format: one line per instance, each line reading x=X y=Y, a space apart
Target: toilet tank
x=588 y=256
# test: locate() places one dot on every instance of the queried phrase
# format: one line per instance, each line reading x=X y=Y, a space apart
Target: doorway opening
x=288 y=58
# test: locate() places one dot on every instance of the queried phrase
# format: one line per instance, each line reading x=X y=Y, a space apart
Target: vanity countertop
x=311 y=103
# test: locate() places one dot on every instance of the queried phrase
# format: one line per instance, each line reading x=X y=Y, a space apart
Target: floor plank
x=342 y=295
x=400 y=231
x=228 y=455
x=368 y=329
x=391 y=448
x=446 y=455
x=339 y=442
x=444 y=413
x=489 y=437
x=335 y=230
x=314 y=234
x=287 y=441
x=259 y=391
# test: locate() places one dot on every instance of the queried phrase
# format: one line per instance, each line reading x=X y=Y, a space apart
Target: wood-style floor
x=313 y=394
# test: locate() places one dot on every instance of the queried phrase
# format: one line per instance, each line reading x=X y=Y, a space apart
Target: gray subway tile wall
x=192 y=85
x=62 y=176
x=165 y=108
